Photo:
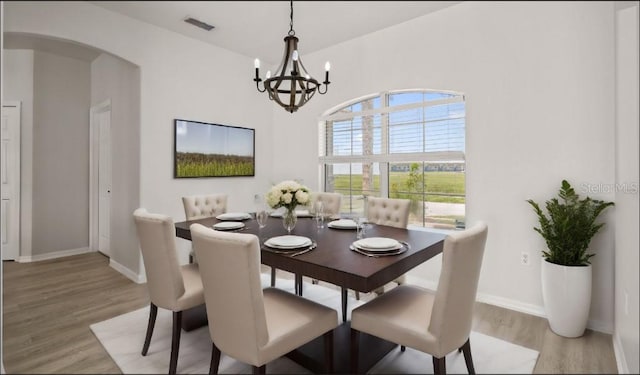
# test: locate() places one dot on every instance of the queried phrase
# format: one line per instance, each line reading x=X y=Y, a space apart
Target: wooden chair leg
x=328 y=352
x=260 y=370
x=439 y=366
x=190 y=259
x=344 y=304
x=298 y=284
x=355 y=342
x=153 y=312
x=466 y=349
x=215 y=360
x=273 y=276
x=175 y=341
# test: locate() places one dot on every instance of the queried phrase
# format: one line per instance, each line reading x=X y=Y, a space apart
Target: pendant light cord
x=291 y=32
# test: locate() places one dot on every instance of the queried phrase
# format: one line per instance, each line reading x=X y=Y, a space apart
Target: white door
x=103 y=125
x=10 y=178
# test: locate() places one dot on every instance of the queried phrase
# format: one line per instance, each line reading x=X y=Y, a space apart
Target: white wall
x=17 y=83
x=538 y=79
x=60 y=153
x=627 y=205
x=119 y=81
x=179 y=78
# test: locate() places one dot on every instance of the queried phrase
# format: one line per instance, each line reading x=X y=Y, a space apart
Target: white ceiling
x=257 y=28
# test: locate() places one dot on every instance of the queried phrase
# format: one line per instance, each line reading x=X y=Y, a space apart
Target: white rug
x=123 y=336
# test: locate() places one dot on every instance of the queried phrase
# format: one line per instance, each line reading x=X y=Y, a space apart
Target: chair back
x=203 y=206
x=452 y=312
x=330 y=202
x=230 y=270
x=388 y=211
x=156 y=234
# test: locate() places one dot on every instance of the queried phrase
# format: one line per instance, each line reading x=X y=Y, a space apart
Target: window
x=399 y=144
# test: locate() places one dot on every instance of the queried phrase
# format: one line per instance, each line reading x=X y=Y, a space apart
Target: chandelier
x=291 y=86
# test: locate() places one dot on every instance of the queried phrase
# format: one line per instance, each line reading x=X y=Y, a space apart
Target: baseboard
x=53 y=255
x=138 y=279
x=618 y=351
x=511 y=304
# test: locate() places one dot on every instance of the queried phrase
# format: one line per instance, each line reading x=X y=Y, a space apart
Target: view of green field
x=446 y=187
x=441 y=187
x=205 y=165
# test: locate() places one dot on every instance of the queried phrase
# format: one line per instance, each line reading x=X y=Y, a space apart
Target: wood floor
x=49 y=305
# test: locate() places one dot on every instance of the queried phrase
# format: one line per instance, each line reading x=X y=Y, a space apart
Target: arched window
x=399 y=144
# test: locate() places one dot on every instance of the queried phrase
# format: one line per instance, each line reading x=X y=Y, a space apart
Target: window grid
x=394 y=150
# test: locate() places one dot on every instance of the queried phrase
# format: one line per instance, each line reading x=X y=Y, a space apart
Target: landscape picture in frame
x=212 y=150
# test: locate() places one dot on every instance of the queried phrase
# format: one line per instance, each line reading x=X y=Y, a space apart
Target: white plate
x=234 y=216
x=228 y=225
x=288 y=242
x=342 y=224
x=299 y=213
x=377 y=244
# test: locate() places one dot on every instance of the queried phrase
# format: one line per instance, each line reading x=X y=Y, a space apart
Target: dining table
x=332 y=260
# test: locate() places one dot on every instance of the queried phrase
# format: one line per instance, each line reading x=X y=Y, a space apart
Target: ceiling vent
x=198 y=23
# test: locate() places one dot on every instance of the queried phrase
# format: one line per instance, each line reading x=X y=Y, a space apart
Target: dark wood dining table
x=332 y=261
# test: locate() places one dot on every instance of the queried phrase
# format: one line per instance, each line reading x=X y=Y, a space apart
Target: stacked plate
x=288 y=242
x=234 y=216
x=342 y=224
x=299 y=213
x=228 y=225
x=378 y=246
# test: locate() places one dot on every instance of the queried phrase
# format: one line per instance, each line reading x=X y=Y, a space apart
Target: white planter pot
x=566 y=292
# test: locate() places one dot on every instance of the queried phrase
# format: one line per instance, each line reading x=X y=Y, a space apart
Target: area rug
x=123 y=336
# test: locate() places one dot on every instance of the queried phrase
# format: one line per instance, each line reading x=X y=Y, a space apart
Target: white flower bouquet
x=288 y=194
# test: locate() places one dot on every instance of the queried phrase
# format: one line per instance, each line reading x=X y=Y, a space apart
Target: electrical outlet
x=524 y=258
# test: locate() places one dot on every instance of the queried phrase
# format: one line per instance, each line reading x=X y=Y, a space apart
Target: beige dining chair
x=171 y=286
x=203 y=206
x=253 y=325
x=391 y=212
x=438 y=323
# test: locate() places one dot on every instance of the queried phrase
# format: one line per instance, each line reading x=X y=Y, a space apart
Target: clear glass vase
x=289 y=219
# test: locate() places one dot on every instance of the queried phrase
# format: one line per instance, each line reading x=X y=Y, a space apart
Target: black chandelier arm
x=257 y=81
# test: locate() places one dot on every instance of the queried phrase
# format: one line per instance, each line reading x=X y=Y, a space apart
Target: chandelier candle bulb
x=256 y=63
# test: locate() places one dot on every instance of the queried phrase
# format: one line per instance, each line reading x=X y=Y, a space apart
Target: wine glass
x=319 y=213
x=261 y=217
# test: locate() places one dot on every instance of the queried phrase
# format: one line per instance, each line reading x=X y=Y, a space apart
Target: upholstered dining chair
x=253 y=325
x=171 y=286
x=203 y=206
x=391 y=212
x=438 y=323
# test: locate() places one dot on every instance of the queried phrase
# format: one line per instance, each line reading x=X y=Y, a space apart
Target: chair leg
x=298 y=284
x=403 y=348
x=466 y=349
x=357 y=295
x=215 y=360
x=153 y=312
x=273 y=276
x=355 y=342
x=328 y=352
x=175 y=341
x=344 y=304
x=260 y=370
x=439 y=366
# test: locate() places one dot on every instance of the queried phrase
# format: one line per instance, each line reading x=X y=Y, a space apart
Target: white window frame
x=384 y=158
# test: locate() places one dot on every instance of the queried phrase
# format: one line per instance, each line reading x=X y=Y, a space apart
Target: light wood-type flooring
x=49 y=305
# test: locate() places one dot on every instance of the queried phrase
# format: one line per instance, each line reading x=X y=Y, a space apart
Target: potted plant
x=566 y=269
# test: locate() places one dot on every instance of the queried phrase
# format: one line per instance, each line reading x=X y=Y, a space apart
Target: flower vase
x=289 y=219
